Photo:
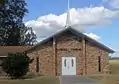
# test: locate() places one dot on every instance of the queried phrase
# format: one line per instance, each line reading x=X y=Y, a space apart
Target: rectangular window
x=99 y=63
x=37 y=64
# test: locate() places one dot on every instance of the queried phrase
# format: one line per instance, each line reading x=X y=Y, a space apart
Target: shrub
x=16 y=65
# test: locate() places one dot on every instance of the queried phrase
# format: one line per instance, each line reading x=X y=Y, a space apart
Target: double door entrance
x=68 y=65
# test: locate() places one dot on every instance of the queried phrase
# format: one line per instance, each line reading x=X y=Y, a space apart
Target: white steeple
x=68 y=23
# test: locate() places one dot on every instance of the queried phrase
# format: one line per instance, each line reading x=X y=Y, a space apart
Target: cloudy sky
x=98 y=19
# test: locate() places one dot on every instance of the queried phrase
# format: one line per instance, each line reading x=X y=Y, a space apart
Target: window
x=72 y=62
x=37 y=64
x=65 y=63
x=99 y=63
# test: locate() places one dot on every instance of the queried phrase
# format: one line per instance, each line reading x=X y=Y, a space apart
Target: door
x=68 y=65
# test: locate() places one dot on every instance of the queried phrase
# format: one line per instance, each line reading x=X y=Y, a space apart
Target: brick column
x=84 y=54
x=54 y=55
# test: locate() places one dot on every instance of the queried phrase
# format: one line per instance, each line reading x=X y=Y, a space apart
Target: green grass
x=113 y=77
x=110 y=79
x=114 y=66
x=106 y=79
x=39 y=80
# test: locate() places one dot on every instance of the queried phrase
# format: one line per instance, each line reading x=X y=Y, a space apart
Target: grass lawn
x=113 y=77
x=110 y=79
x=39 y=80
x=106 y=79
x=114 y=66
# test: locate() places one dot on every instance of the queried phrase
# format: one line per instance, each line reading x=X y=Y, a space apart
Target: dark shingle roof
x=4 y=50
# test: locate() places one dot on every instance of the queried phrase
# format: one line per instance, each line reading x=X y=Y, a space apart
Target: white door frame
x=68 y=65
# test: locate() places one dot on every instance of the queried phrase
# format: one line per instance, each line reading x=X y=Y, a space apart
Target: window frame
x=99 y=63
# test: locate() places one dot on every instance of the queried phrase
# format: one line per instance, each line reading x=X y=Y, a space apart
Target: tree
x=1 y=3
x=29 y=38
x=12 y=28
x=16 y=65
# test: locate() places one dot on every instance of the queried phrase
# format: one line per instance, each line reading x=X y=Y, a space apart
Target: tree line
x=13 y=31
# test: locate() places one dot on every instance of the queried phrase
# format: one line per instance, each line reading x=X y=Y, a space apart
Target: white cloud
x=80 y=17
x=93 y=36
x=112 y=3
x=92 y=16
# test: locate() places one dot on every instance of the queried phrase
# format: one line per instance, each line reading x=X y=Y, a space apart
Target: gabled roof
x=76 y=32
x=4 y=50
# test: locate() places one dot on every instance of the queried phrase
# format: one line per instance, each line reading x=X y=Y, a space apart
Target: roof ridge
x=76 y=32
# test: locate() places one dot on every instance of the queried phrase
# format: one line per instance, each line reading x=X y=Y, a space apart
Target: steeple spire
x=68 y=16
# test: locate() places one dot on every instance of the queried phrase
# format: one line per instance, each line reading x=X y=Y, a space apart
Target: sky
x=98 y=19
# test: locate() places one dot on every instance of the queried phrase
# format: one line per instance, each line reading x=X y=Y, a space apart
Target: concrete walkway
x=77 y=80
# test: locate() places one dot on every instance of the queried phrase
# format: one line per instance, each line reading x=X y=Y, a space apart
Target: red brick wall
x=46 y=60
x=92 y=53
x=68 y=45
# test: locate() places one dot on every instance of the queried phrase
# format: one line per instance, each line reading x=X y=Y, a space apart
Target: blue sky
x=42 y=7
x=43 y=13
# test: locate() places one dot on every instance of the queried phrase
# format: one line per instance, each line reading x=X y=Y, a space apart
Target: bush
x=16 y=65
